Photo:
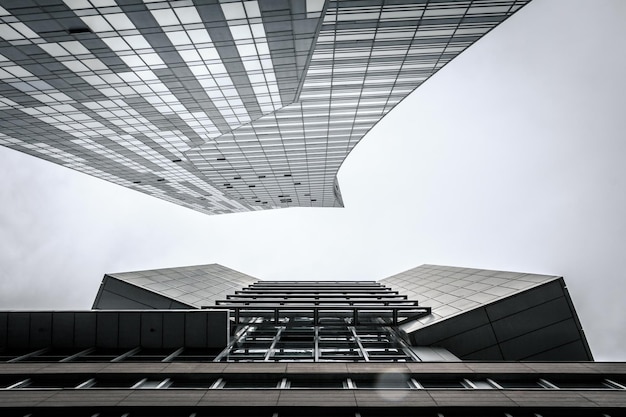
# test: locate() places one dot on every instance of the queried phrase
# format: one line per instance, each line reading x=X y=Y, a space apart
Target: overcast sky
x=512 y=157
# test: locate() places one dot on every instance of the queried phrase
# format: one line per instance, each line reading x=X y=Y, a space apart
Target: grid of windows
x=318 y=344
x=344 y=321
x=219 y=106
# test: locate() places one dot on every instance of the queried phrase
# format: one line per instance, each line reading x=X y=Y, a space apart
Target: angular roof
x=451 y=291
x=493 y=315
x=183 y=287
x=222 y=106
x=477 y=314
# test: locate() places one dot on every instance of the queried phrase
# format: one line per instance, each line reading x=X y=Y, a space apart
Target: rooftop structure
x=184 y=342
x=219 y=106
x=475 y=314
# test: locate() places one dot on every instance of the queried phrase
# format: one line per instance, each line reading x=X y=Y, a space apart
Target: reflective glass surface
x=219 y=106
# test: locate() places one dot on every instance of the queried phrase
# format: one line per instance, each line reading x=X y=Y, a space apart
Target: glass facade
x=219 y=106
x=343 y=321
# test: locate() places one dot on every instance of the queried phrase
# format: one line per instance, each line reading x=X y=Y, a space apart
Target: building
x=220 y=106
x=209 y=341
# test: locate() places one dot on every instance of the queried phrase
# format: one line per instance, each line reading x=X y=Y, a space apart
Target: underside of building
x=220 y=106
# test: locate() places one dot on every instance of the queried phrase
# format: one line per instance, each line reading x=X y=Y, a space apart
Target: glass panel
x=519 y=384
x=443 y=383
x=250 y=383
x=114 y=383
x=192 y=383
x=588 y=384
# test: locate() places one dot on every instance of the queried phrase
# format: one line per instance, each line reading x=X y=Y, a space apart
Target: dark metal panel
x=525 y=300
x=588 y=354
x=173 y=330
x=514 y=319
x=569 y=351
x=151 y=329
x=449 y=327
x=112 y=301
x=18 y=329
x=490 y=353
x=540 y=340
x=115 y=294
x=63 y=329
x=476 y=339
x=532 y=318
x=176 y=305
x=3 y=329
x=129 y=323
x=193 y=322
x=40 y=329
x=107 y=329
x=84 y=329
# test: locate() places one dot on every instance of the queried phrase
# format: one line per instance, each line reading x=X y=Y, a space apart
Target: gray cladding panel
x=526 y=321
x=492 y=352
x=534 y=297
x=170 y=288
x=493 y=315
x=541 y=339
x=115 y=294
x=575 y=349
x=497 y=369
x=454 y=325
x=476 y=339
x=453 y=291
x=111 y=301
x=520 y=400
x=519 y=334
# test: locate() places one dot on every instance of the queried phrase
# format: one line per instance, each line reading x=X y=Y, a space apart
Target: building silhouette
x=220 y=106
x=210 y=341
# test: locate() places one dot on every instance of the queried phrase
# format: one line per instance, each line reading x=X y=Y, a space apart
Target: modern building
x=220 y=106
x=209 y=341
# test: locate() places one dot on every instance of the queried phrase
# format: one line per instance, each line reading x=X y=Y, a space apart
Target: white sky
x=510 y=158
